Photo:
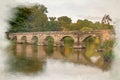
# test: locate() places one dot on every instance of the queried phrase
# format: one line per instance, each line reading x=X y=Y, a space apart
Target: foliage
x=85 y=23
x=64 y=22
x=34 y=18
x=108 y=44
x=107 y=47
x=108 y=57
x=52 y=25
x=49 y=49
x=38 y=19
x=85 y=28
x=90 y=39
x=29 y=18
x=25 y=65
x=106 y=19
x=91 y=45
x=17 y=23
x=68 y=41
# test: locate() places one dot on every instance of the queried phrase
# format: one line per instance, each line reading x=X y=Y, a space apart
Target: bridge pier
x=57 y=43
x=19 y=39
x=40 y=43
x=79 y=45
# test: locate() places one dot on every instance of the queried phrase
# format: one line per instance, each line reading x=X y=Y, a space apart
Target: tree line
x=34 y=18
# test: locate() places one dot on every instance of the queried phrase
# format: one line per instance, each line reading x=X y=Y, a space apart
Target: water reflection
x=25 y=58
x=26 y=65
x=31 y=58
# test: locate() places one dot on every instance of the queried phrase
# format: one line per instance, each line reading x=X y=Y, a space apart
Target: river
x=32 y=58
x=32 y=62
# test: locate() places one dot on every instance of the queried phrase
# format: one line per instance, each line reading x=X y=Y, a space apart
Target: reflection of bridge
x=59 y=35
x=40 y=53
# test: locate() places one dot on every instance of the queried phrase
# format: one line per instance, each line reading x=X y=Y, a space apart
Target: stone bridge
x=58 y=36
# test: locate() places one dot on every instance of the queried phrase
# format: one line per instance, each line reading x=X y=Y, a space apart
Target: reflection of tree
x=92 y=44
x=49 y=50
x=108 y=53
x=49 y=41
x=13 y=49
x=67 y=50
x=23 y=50
x=34 y=51
x=62 y=51
x=25 y=65
x=81 y=57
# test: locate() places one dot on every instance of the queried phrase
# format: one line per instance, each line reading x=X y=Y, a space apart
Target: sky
x=80 y=9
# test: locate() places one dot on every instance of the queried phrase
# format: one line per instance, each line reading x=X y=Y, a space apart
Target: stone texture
x=59 y=35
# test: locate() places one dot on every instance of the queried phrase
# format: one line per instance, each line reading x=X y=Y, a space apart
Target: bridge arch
x=14 y=39
x=23 y=39
x=68 y=38
x=48 y=40
x=34 y=40
x=91 y=39
x=88 y=36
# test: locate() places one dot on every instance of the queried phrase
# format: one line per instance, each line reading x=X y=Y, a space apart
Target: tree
x=29 y=18
x=34 y=18
x=106 y=19
x=17 y=22
x=37 y=21
x=85 y=23
x=52 y=25
x=52 y=18
x=64 y=22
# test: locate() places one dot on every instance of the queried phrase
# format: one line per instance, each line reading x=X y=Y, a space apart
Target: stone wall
x=59 y=35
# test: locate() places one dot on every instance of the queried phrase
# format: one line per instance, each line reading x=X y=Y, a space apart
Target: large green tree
x=29 y=18
x=64 y=22
x=82 y=25
x=37 y=20
x=18 y=21
x=53 y=25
